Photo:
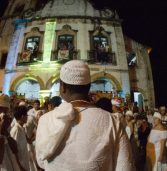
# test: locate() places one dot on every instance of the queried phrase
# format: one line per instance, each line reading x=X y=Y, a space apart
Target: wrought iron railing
x=105 y=57
x=27 y=57
x=65 y=55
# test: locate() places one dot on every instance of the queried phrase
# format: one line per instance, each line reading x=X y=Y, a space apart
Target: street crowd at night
x=82 y=85
x=76 y=133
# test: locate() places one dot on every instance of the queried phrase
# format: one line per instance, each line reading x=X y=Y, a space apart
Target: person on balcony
x=35 y=50
x=63 y=52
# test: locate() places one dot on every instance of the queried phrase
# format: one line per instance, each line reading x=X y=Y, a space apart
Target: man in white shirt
x=8 y=147
x=78 y=136
x=36 y=107
x=18 y=133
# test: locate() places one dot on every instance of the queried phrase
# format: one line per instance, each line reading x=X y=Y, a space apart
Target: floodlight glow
x=48 y=41
x=6 y=84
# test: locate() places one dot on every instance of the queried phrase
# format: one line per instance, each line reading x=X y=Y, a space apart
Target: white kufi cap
x=157 y=115
x=75 y=72
x=22 y=103
x=129 y=113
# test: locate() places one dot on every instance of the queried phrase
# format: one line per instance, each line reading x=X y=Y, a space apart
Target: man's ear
x=62 y=87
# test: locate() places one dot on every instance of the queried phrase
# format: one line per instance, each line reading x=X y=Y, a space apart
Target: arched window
x=102 y=84
x=101 y=48
x=100 y=40
x=29 y=88
x=32 y=48
x=66 y=42
x=65 y=46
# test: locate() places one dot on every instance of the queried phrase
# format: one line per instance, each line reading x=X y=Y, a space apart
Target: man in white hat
x=78 y=136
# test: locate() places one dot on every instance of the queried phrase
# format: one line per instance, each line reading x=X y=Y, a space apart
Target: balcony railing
x=103 y=58
x=59 y=55
x=26 y=58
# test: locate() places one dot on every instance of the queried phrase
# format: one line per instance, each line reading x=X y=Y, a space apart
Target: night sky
x=146 y=22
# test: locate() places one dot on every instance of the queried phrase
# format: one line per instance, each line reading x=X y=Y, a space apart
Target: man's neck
x=75 y=97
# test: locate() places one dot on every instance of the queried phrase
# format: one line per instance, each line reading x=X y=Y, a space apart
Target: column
x=48 y=40
x=13 y=54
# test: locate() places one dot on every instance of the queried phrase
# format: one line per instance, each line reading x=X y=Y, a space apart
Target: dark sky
x=146 y=22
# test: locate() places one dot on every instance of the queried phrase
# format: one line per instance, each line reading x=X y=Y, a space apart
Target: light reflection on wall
x=13 y=53
x=6 y=83
x=48 y=41
x=30 y=88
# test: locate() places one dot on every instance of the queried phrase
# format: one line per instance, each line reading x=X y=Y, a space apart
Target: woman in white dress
x=156 y=146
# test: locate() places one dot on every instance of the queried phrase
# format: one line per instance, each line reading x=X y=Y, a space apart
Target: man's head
x=20 y=114
x=157 y=118
x=55 y=101
x=129 y=115
x=4 y=103
x=36 y=104
x=162 y=110
x=74 y=80
x=116 y=104
x=105 y=104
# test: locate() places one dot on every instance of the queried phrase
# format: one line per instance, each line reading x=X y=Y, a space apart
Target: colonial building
x=36 y=37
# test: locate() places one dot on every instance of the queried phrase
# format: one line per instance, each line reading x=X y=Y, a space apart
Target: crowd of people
x=80 y=134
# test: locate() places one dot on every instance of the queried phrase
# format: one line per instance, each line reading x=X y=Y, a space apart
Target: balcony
x=65 y=55
x=27 y=58
x=101 y=58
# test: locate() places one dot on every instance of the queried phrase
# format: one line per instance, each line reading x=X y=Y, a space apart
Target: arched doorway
x=102 y=84
x=29 y=88
x=55 y=88
x=109 y=78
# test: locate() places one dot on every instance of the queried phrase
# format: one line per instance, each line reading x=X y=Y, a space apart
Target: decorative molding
x=96 y=76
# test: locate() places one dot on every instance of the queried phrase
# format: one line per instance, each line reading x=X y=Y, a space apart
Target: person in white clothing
x=150 y=117
x=36 y=107
x=78 y=136
x=156 y=146
x=129 y=123
x=8 y=147
x=116 y=108
x=18 y=133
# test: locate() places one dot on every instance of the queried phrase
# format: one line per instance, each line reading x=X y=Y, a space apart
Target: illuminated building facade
x=36 y=37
